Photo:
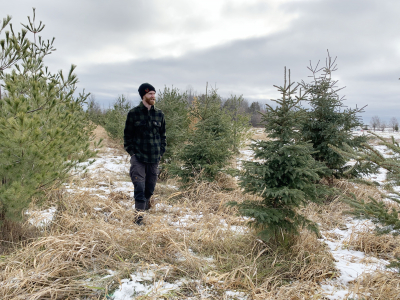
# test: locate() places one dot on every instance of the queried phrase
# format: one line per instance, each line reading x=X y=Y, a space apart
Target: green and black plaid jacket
x=144 y=134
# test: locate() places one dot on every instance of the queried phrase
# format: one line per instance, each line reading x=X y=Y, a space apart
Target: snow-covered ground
x=350 y=263
x=110 y=167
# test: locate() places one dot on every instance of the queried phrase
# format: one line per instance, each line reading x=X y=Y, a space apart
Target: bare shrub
x=375 y=122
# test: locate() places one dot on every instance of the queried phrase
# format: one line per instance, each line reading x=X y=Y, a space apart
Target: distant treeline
x=99 y=114
x=377 y=123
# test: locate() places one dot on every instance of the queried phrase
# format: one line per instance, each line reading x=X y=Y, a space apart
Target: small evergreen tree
x=329 y=122
x=115 y=118
x=176 y=111
x=286 y=174
x=208 y=148
x=44 y=131
x=94 y=111
x=255 y=116
x=240 y=121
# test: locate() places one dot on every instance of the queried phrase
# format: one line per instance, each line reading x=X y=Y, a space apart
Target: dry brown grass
x=299 y=290
x=377 y=285
x=258 y=134
x=361 y=191
x=101 y=134
x=364 y=239
x=15 y=234
x=333 y=213
x=92 y=234
x=192 y=233
x=56 y=266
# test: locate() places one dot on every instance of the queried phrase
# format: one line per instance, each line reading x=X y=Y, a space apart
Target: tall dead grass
x=365 y=239
x=377 y=285
x=334 y=214
x=14 y=235
x=193 y=232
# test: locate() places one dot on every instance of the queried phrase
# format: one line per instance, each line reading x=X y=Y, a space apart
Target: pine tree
x=95 y=113
x=13 y=48
x=284 y=175
x=329 y=122
x=240 y=121
x=176 y=111
x=115 y=118
x=208 y=148
x=44 y=131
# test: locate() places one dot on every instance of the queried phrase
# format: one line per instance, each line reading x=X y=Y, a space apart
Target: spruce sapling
x=284 y=175
x=330 y=122
x=208 y=148
x=175 y=107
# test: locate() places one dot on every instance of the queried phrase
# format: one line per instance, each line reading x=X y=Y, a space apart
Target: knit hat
x=144 y=88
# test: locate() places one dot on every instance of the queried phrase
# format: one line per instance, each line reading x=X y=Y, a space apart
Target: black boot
x=148 y=204
x=151 y=180
x=140 y=207
x=140 y=201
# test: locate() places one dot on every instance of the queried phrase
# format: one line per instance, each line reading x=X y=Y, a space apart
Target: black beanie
x=144 y=88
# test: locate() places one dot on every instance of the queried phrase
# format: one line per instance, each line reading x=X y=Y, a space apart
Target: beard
x=150 y=101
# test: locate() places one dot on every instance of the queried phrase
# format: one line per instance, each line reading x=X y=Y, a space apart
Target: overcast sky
x=239 y=46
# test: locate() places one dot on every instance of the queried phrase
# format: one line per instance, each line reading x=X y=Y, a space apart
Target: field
x=82 y=244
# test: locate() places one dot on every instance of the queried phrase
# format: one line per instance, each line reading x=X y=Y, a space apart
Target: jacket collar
x=141 y=105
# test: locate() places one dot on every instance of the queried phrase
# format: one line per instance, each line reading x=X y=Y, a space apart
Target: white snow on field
x=41 y=218
x=350 y=263
x=144 y=283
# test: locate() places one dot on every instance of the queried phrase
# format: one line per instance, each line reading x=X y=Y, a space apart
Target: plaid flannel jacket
x=144 y=134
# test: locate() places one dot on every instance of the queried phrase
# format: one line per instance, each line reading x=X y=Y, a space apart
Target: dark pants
x=144 y=178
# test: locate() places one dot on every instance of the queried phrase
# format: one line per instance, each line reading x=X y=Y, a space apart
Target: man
x=145 y=141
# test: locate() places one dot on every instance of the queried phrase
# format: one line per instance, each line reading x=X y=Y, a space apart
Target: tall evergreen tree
x=330 y=122
x=254 y=111
x=44 y=131
x=284 y=174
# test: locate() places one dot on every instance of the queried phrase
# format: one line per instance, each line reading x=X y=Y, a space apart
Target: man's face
x=150 y=98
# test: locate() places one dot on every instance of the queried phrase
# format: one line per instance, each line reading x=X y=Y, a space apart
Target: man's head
x=148 y=93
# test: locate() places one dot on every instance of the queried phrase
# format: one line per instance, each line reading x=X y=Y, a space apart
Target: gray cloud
x=361 y=33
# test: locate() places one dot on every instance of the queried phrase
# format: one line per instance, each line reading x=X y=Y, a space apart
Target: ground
x=193 y=246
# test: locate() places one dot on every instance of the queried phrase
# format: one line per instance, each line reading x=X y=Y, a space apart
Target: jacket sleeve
x=163 y=137
x=129 y=133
